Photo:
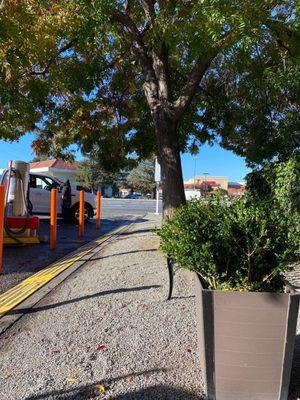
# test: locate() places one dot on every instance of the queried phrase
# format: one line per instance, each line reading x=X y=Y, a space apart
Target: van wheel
x=75 y=213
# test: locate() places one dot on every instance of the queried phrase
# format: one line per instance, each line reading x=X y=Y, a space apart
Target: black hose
x=171 y=277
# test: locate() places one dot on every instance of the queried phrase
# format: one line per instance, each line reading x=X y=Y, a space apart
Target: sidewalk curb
x=85 y=252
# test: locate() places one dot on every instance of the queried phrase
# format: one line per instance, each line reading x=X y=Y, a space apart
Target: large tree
x=126 y=78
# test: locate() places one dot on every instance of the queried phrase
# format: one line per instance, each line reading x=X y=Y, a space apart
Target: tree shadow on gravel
x=150 y=393
x=136 y=231
x=87 y=297
x=153 y=392
x=294 y=392
x=159 y=392
x=122 y=254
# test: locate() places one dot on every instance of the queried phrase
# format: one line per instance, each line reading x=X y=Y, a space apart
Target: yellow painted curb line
x=25 y=240
x=17 y=294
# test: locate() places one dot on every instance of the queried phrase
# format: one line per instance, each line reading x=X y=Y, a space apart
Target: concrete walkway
x=107 y=331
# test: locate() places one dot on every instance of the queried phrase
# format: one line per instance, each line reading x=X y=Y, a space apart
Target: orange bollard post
x=2 y=199
x=98 y=210
x=81 y=213
x=53 y=218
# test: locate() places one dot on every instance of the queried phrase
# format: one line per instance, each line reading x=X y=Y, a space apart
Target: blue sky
x=213 y=160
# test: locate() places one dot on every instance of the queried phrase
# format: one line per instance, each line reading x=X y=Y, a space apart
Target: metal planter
x=246 y=343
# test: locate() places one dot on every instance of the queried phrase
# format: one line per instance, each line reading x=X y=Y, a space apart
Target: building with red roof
x=62 y=170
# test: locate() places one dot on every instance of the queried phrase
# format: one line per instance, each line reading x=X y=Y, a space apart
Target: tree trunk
x=169 y=159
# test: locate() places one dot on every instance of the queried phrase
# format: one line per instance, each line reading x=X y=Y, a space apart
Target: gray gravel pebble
x=108 y=324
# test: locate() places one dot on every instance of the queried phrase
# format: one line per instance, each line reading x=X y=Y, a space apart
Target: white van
x=40 y=186
x=192 y=193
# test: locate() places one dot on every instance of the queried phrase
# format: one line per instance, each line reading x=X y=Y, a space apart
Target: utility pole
x=195 y=173
x=205 y=188
x=157 y=180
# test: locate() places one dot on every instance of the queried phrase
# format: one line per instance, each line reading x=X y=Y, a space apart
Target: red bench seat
x=20 y=222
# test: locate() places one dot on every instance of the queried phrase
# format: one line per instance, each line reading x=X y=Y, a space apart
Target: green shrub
x=238 y=246
x=277 y=183
x=277 y=186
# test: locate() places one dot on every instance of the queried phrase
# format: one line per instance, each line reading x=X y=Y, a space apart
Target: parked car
x=40 y=186
x=133 y=196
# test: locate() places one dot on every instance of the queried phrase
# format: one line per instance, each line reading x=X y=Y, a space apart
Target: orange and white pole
x=81 y=213
x=53 y=218
x=2 y=205
x=98 y=210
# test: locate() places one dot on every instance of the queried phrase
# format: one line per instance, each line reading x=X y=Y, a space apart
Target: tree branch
x=148 y=6
x=160 y=65
x=159 y=57
x=54 y=58
x=196 y=74
x=127 y=6
x=141 y=54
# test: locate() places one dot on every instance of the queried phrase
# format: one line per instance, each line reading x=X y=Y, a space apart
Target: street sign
x=157 y=171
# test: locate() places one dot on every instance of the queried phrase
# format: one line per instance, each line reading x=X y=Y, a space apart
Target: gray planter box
x=246 y=343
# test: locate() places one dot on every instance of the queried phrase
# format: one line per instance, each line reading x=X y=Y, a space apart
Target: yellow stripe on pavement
x=16 y=295
x=25 y=240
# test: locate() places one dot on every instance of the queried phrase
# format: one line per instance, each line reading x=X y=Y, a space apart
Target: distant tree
x=141 y=178
x=92 y=176
x=205 y=188
x=38 y=158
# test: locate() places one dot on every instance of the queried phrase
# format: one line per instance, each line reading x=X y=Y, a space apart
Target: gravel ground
x=108 y=324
